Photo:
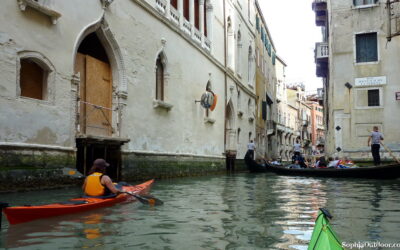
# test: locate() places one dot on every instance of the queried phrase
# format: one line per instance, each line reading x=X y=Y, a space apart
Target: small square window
x=373 y=97
x=366 y=47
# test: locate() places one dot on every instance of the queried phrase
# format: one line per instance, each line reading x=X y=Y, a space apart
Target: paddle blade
x=148 y=199
x=72 y=173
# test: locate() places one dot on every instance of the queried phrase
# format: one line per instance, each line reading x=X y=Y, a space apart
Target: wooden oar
x=390 y=152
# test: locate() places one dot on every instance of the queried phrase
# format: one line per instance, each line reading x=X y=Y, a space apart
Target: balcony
x=320 y=8
x=321 y=51
x=174 y=15
x=271 y=127
x=321 y=59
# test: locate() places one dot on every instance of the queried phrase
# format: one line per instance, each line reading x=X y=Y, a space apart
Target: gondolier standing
x=251 y=147
x=374 y=140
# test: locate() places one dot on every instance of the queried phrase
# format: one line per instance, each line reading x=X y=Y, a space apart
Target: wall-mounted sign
x=369 y=81
x=397 y=96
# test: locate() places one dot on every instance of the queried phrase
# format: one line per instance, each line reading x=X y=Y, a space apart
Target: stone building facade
x=360 y=71
x=265 y=55
x=122 y=80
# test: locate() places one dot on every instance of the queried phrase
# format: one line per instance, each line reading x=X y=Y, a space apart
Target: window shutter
x=264 y=110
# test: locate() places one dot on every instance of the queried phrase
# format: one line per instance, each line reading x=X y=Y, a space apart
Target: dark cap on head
x=101 y=163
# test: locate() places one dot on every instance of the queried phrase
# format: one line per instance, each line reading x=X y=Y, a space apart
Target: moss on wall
x=140 y=167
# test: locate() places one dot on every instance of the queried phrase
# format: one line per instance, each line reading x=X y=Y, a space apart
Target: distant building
x=360 y=73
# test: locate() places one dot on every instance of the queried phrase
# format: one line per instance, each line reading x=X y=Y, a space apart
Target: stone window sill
x=54 y=15
x=209 y=120
x=162 y=105
x=365 y=6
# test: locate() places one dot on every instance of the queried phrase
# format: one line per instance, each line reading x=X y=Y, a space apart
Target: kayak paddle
x=146 y=199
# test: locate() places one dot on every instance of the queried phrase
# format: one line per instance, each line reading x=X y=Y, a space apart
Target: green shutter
x=258 y=24
x=273 y=58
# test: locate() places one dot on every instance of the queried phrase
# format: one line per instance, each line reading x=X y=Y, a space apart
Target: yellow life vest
x=93 y=185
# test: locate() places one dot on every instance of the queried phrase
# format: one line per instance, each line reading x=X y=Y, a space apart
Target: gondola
x=389 y=171
x=253 y=166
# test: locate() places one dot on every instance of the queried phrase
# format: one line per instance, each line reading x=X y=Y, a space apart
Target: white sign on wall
x=368 y=81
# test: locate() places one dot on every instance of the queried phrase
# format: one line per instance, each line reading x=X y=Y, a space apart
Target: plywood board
x=99 y=96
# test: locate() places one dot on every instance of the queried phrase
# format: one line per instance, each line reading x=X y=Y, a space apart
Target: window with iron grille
x=366 y=47
x=364 y=2
x=373 y=97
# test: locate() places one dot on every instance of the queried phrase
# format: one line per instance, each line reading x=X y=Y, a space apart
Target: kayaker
x=97 y=183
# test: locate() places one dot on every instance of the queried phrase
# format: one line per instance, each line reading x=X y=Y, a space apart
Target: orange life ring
x=214 y=103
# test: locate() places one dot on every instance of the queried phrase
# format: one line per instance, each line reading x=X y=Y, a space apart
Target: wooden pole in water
x=2 y=205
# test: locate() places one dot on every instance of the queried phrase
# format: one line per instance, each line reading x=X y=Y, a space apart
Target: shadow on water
x=239 y=211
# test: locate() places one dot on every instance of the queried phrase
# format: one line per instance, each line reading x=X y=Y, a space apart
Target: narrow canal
x=241 y=211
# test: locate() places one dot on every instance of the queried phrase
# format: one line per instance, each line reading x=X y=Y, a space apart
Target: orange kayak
x=20 y=214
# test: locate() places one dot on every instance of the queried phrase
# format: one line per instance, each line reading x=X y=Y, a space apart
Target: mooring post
x=2 y=205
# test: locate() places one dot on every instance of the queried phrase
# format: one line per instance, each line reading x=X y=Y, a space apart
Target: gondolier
x=374 y=140
x=251 y=147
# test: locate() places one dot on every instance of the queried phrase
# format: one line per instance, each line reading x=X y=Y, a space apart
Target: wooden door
x=95 y=96
x=98 y=97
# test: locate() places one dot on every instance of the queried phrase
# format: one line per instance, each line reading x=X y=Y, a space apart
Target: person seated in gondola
x=296 y=165
x=333 y=163
x=301 y=161
x=321 y=163
x=97 y=183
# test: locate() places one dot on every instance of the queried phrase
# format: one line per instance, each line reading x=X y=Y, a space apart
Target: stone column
x=191 y=12
x=201 y=16
x=180 y=10
x=168 y=9
x=209 y=9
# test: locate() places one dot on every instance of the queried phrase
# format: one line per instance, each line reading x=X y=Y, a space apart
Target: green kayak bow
x=323 y=237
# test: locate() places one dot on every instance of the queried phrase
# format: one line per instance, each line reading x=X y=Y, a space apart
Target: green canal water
x=240 y=211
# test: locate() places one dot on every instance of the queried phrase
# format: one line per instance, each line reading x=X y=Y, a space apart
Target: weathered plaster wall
x=355 y=121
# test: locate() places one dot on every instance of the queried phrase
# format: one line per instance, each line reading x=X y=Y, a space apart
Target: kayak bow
x=323 y=237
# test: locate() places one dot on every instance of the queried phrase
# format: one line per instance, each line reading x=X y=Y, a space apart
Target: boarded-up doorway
x=95 y=130
x=95 y=96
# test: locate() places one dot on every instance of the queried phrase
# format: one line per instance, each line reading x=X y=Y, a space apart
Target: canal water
x=240 y=211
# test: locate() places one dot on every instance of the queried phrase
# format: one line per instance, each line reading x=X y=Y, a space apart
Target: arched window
x=239 y=53
x=230 y=46
x=159 y=78
x=239 y=101
x=33 y=79
x=250 y=66
x=249 y=107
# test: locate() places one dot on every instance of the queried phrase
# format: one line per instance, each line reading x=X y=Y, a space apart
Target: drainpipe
x=389 y=24
x=225 y=74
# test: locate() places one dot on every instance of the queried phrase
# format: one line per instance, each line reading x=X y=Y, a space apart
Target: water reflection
x=243 y=211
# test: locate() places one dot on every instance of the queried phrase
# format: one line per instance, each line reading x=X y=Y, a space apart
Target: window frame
x=368 y=5
x=355 y=96
x=371 y=103
x=49 y=76
x=377 y=47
